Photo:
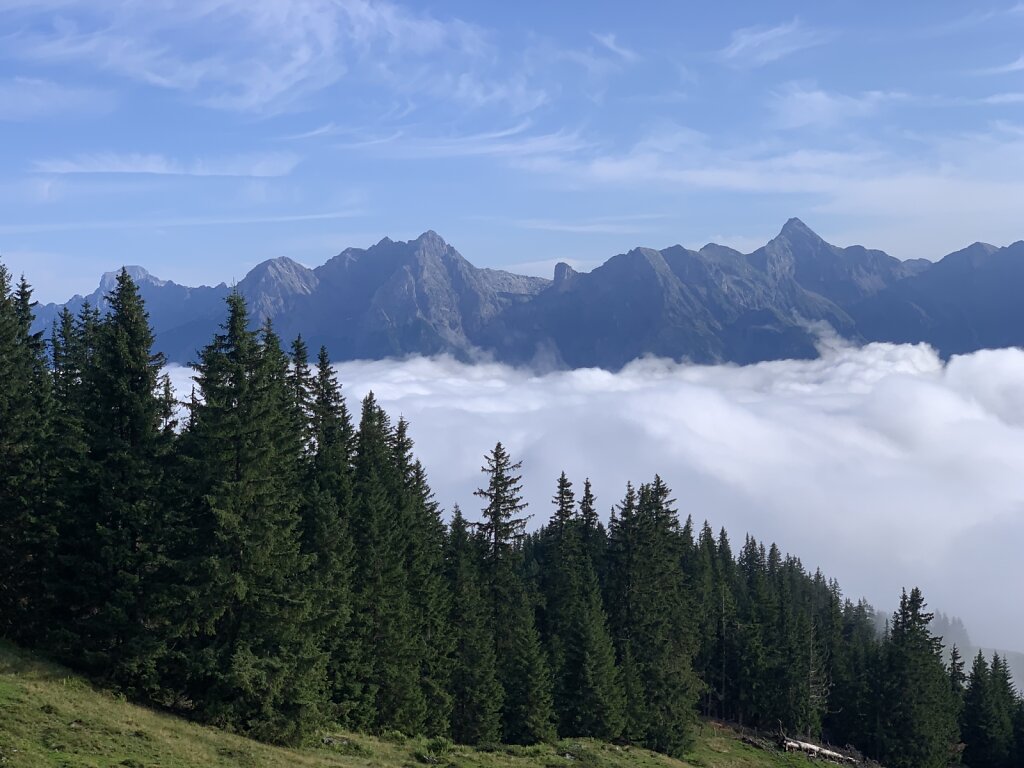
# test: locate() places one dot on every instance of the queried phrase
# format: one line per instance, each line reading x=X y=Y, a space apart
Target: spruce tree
x=1005 y=699
x=251 y=661
x=957 y=679
x=700 y=570
x=71 y=344
x=921 y=729
x=654 y=623
x=988 y=717
x=26 y=437
x=527 y=714
x=588 y=695
x=384 y=620
x=117 y=523
x=853 y=703
x=598 y=707
x=476 y=694
x=326 y=473
x=979 y=718
x=428 y=594
x=595 y=540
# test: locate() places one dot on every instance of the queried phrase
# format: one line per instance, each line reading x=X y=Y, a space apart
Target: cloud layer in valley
x=881 y=464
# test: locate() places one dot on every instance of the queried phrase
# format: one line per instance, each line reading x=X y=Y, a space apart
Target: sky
x=881 y=465
x=199 y=137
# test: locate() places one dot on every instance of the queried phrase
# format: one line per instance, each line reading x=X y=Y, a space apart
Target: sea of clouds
x=882 y=464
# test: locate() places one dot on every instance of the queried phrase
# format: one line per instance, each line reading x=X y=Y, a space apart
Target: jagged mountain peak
x=137 y=273
x=282 y=265
x=794 y=228
x=430 y=236
x=421 y=296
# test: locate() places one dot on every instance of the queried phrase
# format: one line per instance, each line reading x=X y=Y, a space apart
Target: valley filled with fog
x=881 y=464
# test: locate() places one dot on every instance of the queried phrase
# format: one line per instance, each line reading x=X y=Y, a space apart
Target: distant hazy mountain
x=711 y=305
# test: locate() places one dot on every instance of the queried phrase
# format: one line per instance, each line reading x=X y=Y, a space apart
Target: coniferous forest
x=260 y=559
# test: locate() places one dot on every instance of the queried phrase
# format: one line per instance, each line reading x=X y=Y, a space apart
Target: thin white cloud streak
x=796 y=105
x=609 y=41
x=972 y=19
x=757 y=46
x=24 y=99
x=880 y=464
x=939 y=193
x=247 y=55
x=327 y=129
x=517 y=141
x=186 y=221
x=268 y=165
x=1016 y=65
x=1004 y=98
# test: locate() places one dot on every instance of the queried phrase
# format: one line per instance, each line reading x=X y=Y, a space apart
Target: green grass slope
x=50 y=717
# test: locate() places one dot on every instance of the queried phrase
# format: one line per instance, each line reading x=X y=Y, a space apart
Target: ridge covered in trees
x=269 y=566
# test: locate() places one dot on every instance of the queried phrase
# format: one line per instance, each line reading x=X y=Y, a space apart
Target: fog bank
x=880 y=464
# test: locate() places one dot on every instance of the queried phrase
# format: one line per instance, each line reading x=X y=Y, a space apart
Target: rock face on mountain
x=707 y=306
x=841 y=275
x=969 y=300
x=402 y=298
x=273 y=286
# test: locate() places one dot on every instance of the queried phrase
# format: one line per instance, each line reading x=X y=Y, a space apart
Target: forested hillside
x=268 y=566
x=54 y=718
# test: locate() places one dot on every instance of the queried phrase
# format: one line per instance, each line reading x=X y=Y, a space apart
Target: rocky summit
x=395 y=299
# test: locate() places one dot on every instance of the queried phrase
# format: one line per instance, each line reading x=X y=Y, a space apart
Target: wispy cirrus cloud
x=796 y=105
x=262 y=165
x=1017 y=65
x=938 y=192
x=516 y=92
x=1004 y=98
x=760 y=45
x=516 y=142
x=609 y=42
x=974 y=18
x=248 y=55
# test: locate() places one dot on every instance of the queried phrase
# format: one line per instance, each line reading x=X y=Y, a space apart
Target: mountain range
x=713 y=305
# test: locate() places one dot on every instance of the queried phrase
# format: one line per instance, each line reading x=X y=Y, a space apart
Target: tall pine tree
x=527 y=714
x=476 y=694
x=921 y=728
x=251 y=662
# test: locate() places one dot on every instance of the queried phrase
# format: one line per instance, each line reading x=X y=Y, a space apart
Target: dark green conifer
x=476 y=694
x=252 y=661
x=428 y=593
x=117 y=521
x=654 y=626
x=327 y=505
x=921 y=729
x=527 y=714
x=588 y=695
x=384 y=621
x=26 y=467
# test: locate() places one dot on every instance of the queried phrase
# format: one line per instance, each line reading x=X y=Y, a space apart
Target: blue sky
x=198 y=138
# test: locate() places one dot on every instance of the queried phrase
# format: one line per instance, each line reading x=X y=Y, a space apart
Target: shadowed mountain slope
x=713 y=305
